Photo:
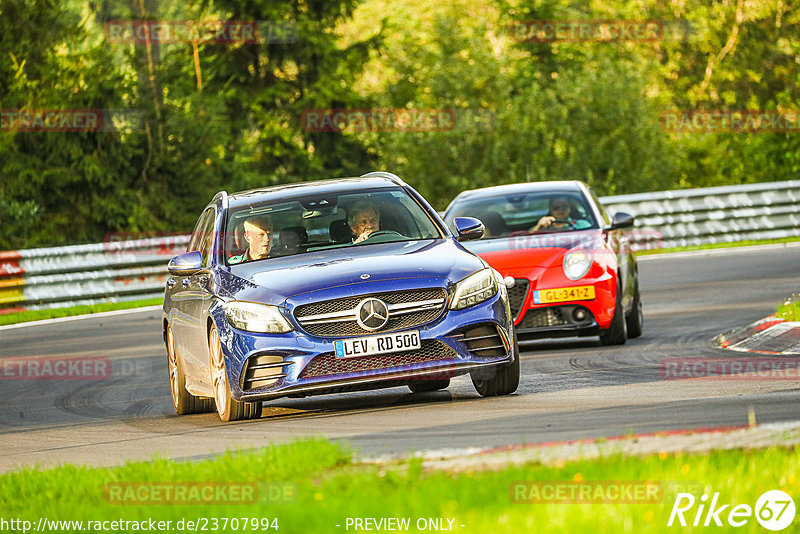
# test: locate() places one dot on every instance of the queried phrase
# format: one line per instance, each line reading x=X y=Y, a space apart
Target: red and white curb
x=770 y=335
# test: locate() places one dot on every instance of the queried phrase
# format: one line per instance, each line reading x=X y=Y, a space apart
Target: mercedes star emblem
x=372 y=314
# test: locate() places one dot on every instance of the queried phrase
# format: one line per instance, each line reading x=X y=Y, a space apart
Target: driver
x=558 y=217
x=258 y=235
x=364 y=218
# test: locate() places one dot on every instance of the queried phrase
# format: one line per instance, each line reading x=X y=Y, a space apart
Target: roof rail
x=383 y=174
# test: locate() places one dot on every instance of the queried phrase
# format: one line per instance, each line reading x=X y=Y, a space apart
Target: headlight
x=577 y=264
x=474 y=289
x=256 y=317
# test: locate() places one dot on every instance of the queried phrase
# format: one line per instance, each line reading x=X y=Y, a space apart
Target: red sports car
x=569 y=266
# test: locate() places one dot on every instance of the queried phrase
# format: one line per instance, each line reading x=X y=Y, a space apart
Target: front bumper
x=296 y=363
x=563 y=319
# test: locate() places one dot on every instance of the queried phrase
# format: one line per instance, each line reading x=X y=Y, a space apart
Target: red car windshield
x=524 y=213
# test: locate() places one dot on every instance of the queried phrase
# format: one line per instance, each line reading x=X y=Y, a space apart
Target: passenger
x=258 y=235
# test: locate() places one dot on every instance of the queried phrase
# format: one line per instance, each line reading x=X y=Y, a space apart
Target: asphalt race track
x=571 y=389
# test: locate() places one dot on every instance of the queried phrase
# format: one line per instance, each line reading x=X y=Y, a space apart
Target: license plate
x=367 y=346
x=563 y=294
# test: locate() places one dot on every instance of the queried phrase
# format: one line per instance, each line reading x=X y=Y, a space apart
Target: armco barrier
x=712 y=215
x=136 y=269
x=86 y=274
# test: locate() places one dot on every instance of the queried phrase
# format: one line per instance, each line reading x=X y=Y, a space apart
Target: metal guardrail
x=726 y=214
x=125 y=269
x=115 y=270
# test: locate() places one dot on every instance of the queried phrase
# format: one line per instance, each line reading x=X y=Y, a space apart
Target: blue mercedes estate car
x=328 y=287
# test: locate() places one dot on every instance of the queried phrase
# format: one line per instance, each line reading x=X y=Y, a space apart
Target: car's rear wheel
x=183 y=401
x=424 y=386
x=635 y=321
x=228 y=408
x=617 y=332
x=504 y=382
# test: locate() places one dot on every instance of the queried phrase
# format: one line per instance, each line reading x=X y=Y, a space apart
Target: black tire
x=504 y=382
x=183 y=401
x=635 y=320
x=617 y=333
x=424 y=386
x=228 y=408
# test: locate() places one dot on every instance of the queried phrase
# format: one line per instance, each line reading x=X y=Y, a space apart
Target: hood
x=539 y=250
x=275 y=280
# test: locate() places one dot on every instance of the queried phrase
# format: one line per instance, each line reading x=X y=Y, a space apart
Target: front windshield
x=527 y=213
x=264 y=230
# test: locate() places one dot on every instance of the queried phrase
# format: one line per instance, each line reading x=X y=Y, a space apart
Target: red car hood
x=509 y=254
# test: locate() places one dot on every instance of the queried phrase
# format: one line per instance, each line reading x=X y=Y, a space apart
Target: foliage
x=208 y=116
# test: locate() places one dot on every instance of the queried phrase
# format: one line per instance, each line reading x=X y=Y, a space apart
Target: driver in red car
x=558 y=217
x=364 y=218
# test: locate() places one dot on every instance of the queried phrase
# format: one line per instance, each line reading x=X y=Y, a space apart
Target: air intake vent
x=263 y=370
x=485 y=341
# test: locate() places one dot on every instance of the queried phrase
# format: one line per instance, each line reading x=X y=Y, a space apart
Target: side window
x=207 y=237
x=194 y=242
x=203 y=235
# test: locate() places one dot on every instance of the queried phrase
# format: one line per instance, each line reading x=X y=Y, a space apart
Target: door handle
x=186 y=282
x=171 y=283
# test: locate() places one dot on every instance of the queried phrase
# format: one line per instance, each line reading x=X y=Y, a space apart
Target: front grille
x=327 y=364
x=484 y=341
x=517 y=294
x=556 y=316
x=432 y=302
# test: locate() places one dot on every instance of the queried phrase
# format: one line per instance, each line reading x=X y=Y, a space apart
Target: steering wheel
x=383 y=233
x=570 y=222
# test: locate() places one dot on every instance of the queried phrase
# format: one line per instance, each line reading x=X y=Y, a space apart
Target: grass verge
x=318 y=487
x=53 y=313
x=790 y=310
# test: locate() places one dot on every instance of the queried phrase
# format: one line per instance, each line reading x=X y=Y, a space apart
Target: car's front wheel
x=617 y=332
x=635 y=320
x=183 y=401
x=228 y=408
x=504 y=382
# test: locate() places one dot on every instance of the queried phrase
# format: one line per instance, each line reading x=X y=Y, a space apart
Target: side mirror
x=186 y=264
x=468 y=228
x=621 y=220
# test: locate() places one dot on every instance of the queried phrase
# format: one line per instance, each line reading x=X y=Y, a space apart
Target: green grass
x=790 y=310
x=745 y=243
x=52 y=313
x=328 y=487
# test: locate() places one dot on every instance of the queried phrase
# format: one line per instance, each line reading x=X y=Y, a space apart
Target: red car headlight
x=577 y=263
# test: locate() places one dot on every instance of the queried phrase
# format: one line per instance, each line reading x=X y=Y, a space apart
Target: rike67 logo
x=774 y=510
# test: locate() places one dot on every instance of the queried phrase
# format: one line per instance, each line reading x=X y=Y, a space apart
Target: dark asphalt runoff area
x=570 y=389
